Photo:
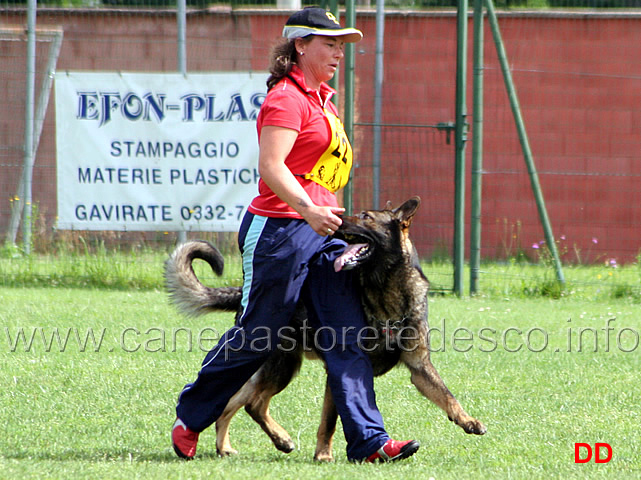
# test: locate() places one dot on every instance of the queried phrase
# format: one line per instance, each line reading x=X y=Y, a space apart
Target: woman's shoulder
x=284 y=106
x=286 y=97
x=286 y=90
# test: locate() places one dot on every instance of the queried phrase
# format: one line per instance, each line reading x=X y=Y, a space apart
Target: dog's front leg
x=326 y=429
x=416 y=355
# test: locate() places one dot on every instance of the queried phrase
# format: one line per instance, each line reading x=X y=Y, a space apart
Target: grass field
x=90 y=379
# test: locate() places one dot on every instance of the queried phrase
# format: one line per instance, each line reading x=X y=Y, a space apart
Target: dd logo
x=588 y=452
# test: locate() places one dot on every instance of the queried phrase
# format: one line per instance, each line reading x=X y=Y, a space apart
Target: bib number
x=333 y=167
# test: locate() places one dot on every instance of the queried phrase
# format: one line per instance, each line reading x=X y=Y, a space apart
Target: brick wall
x=578 y=77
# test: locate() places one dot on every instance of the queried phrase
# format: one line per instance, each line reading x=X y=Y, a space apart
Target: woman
x=288 y=249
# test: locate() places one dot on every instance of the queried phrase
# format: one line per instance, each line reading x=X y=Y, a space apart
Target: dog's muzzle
x=352 y=256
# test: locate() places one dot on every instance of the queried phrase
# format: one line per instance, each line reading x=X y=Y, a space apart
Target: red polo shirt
x=299 y=108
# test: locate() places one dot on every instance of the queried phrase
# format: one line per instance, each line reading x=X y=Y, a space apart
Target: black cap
x=318 y=21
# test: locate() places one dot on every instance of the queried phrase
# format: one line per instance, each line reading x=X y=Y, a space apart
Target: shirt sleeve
x=283 y=108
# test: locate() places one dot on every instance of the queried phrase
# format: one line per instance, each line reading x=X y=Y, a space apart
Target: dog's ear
x=388 y=206
x=406 y=212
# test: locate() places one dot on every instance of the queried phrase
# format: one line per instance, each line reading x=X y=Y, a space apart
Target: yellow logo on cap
x=332 y=17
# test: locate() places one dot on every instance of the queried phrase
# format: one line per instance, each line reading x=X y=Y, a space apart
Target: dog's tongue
x=349 y=253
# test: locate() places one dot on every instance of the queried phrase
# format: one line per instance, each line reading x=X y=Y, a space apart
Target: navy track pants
x=284 y=260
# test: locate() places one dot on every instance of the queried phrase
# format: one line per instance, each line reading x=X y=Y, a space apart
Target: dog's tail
x=186 y=292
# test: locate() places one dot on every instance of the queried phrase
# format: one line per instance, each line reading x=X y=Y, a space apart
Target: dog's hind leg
x=326 y=429
x=275 y=374
x=255 y=396
x=239 y=400
x=429 y=383
x=258 y=409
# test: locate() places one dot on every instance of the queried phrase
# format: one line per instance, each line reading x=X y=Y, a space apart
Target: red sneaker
x=184 y=440
x=394 y=450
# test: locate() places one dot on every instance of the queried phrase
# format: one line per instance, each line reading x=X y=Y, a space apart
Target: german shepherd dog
x=394 y=297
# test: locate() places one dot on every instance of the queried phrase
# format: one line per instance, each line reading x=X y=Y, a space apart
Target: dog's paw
x=285 y=445
x=323 y=456
x=227 y=452
x=469 y=425
x=474 y=426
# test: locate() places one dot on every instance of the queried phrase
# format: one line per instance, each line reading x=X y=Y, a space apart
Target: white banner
x=139 y=151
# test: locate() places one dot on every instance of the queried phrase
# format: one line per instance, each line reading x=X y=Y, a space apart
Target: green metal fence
x=398 y=96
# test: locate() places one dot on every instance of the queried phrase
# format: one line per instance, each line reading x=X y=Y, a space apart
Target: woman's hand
x=324 y=220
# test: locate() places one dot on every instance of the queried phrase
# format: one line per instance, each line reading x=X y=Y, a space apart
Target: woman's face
x=320 y=58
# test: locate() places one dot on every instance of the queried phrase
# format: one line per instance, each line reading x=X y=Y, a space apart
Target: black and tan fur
x=394 y=296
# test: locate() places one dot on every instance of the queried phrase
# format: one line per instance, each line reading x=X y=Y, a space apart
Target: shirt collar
x=324 y=94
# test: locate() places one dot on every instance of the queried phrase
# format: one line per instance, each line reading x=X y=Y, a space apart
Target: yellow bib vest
x=333 y=167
